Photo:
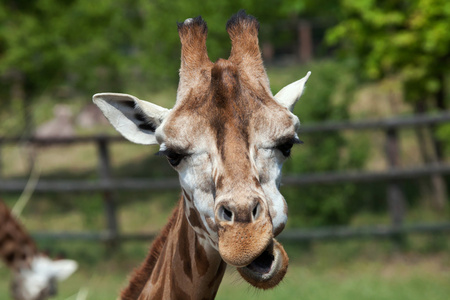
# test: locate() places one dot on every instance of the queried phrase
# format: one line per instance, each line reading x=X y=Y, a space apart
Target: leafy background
x=372 y=59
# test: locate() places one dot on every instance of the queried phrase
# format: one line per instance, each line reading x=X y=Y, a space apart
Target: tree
x=406 y=39
x=46 y=45
x=49 y=46
x=394 y=37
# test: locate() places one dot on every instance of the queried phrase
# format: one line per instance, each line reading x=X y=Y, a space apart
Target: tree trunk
x=438 y=181
x=305 y=43
x=435 y=190
x=21 y=104
x=439 y=98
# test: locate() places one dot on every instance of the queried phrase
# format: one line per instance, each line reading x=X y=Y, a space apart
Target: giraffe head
x=38 y=280
x=227 y=136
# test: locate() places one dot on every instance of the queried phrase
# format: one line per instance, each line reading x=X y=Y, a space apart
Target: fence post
x=440 y=194
x=305 y=43
x=395 y=196
x=396 y=199
x=108 y=199
x=1 y=159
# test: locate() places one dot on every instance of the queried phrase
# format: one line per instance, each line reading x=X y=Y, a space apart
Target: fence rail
x=45 y=186
x=383 y=124
x=393 y=175
x=291 y=235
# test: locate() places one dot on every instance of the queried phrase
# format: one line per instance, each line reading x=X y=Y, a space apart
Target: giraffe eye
x=286 y=146
x=174 y=158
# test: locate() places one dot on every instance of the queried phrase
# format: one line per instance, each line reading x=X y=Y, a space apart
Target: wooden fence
x=107 y=185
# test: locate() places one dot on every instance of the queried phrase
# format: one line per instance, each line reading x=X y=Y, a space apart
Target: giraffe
x=227 y=136
x=34 y=274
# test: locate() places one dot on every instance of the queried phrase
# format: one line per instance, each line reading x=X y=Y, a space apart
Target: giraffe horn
x=243 y=31
x=194 y=56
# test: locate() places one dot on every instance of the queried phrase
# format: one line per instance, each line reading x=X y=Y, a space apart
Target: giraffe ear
x=59 y=269
x=34 y=280
x=135 y=119
x=289 y=95
x=63 y=268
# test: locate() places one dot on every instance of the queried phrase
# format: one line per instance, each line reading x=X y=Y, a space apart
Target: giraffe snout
x=244 y=230
x=228 y=212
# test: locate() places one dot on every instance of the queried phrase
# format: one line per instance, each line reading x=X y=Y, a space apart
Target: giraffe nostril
x=225 y=214
x=255 y=211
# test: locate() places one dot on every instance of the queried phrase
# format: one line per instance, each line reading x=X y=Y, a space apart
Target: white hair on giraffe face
x=39 y=281
x=196 y=180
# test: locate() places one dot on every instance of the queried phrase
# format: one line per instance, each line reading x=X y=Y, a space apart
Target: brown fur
x=193 y=39
x=17 y=248
x=201 y=259
x=183 y=249
x=243 y=30
x=183 y=258
x=195 y=63
x=142 y=274
x=234 y=103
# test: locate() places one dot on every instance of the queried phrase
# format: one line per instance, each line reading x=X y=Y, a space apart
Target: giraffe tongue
x=262 y=264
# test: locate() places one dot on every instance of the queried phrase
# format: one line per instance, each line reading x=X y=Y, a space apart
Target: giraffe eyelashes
x=285 y=146
x=174 y=158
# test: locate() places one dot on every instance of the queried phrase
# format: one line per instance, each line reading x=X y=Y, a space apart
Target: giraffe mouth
x=268 y=269
x=263 y=263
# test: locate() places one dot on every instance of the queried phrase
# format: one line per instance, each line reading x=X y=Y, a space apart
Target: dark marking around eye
x=285 y=144
x=219 y=183
x=285 y=148
x=288 y=139
x=9 y=257
x=173 y=157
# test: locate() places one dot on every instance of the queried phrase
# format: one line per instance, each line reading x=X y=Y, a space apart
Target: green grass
x=347 y=270
x=360 y=279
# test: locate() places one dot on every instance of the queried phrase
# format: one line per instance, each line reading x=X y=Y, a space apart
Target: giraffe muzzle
x=246 y=241
x=241 y=243
x=244 y=231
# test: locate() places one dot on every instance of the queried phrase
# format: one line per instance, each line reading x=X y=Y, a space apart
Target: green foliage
x=63 y=49
x=443 y=133
x=88 y=47
x=406 y=38
x=328 y=94
x=52 y=43
x=91 y=46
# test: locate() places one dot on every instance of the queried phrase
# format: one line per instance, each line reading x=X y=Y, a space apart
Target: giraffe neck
x=17 y=248
x=178 y=266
